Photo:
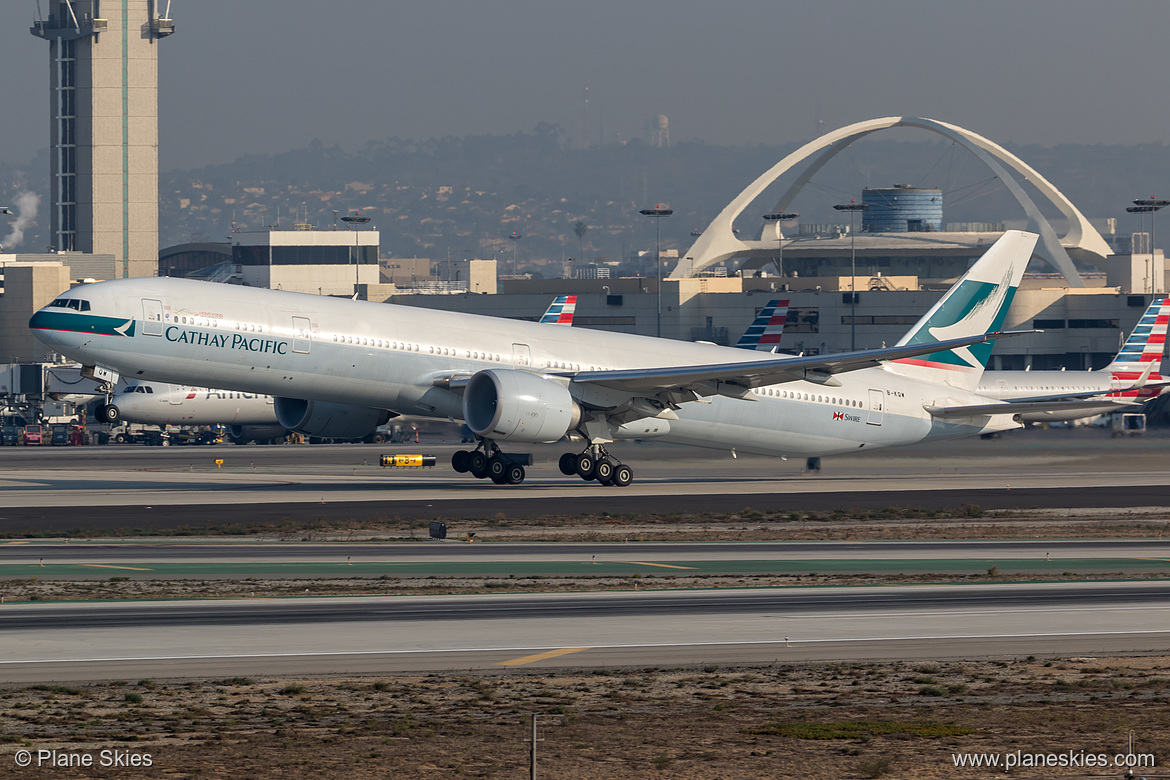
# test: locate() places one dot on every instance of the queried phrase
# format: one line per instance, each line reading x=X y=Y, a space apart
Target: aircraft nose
x=42 y=327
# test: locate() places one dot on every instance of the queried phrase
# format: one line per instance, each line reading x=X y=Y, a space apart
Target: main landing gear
x=487 y=460
x=596 y=463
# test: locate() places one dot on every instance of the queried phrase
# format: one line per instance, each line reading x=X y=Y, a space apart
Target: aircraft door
x=176 y=394
x=152 y=317
x=877 y=405
x=302 y=335
x=521 y=355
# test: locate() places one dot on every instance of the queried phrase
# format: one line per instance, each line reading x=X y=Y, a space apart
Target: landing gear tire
x=603 y=471
x=515 y=474
x=586 y=465
x=497 y=469
x=568 y=464
x=108 y=413
x=477 y=464
x=459 y=461
x=623 y=475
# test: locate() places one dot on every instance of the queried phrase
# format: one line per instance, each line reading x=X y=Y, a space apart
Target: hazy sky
x=262 y=75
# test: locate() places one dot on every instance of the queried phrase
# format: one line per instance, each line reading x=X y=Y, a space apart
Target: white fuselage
x=1013 y=385
x=397 y=358
x=160 y=403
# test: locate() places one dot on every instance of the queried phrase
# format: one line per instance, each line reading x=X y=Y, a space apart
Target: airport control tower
x=103 y=66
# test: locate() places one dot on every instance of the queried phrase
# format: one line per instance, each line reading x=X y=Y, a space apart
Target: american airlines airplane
x=334 y=366
x=1132 y=377
x=248 y=416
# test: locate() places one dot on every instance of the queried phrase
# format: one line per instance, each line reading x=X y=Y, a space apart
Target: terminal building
x=862 y=284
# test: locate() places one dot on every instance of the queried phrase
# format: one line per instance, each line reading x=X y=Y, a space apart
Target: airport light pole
x=657 y=213
x=8 y=211
x=779 y=217
x=514 y=237
x=1149 y=206
x=852 y=208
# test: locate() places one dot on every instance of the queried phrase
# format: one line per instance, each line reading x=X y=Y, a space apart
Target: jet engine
x=242 y=434
x=328 y=420
x=515 y=405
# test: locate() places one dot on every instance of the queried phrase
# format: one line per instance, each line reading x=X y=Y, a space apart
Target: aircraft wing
x=1020 y=407
x=742 y=376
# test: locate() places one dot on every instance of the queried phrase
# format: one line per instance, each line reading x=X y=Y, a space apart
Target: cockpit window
x=77 y=304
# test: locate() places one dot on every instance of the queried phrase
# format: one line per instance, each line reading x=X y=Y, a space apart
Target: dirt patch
x=38 y=589
x=905 y=720
x=889 y=523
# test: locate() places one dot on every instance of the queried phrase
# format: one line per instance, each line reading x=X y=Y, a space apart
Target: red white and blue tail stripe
x=561 y=310
x=765 y=331
x=1143 y=347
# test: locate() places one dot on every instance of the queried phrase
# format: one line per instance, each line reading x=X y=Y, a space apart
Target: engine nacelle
x=518 y=406
x=242 y=434
x=328 y=420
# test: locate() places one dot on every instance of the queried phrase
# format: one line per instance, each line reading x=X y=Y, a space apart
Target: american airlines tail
x=1143 y=347
x=977 y=304
x=560 y=311
x=767 y=328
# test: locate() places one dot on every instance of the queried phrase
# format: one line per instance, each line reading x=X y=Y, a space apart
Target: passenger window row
x=802 y=396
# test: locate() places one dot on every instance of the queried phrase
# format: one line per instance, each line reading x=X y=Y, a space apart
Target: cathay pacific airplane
x=249 y=416
x=334 y=366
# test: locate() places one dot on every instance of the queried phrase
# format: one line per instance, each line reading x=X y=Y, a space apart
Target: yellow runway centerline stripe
x=16 y=543
x=659 y=565
x=1153 y=559
x=541 y=656
x=112 y=566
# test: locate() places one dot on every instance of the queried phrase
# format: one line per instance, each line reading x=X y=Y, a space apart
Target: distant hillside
x=463 y=196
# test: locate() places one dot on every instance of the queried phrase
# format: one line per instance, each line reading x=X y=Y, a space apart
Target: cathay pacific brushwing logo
x=975 y=307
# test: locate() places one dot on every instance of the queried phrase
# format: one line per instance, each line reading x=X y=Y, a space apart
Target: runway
x=54 y=491
x=400 y=634
x=57 y=490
